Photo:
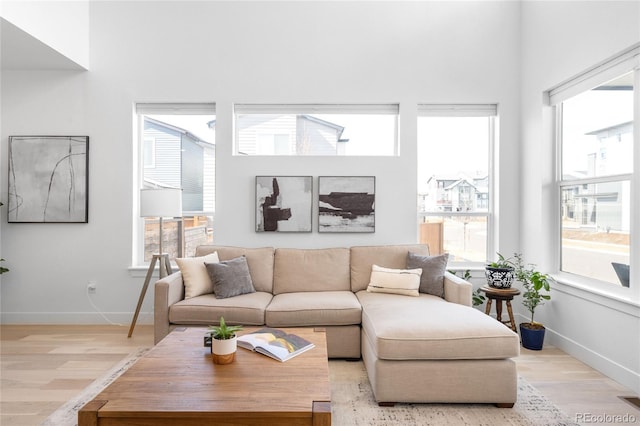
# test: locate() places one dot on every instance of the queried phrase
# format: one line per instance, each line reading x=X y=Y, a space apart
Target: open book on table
x=275 y=343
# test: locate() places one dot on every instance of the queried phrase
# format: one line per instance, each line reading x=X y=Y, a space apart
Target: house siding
x=167 y=142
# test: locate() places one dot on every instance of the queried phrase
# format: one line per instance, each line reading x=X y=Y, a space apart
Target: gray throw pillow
x=433 y=269
x=230 y=277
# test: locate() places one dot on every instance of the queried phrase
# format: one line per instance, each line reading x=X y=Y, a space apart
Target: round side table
x=500 y=294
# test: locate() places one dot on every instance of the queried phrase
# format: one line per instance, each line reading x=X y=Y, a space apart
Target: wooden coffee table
x=176 y=382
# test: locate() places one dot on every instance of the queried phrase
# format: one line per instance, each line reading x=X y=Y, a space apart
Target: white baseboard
x=76 y=318
x=606 y=366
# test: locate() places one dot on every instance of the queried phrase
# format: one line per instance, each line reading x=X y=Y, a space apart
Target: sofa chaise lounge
x=422 y=348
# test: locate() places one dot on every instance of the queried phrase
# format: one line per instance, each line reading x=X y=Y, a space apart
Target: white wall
x=61 y=25
x=227 y=52
x=560 y=40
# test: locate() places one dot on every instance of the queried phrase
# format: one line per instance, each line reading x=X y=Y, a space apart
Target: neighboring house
x=287 y=134
x=174 y=157
x=456 y=194
x=604 y=206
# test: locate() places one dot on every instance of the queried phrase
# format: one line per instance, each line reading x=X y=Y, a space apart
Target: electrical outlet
x=91 y=287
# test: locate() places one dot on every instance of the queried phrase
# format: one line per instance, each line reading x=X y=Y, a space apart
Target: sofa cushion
x=297 y=270
x=194 y=274
x=230 y=277
x=260 y=261
x=428 y=327
x=393 y=256
x=320 y=308
x=395 y=281
x=433 y=269
x=247 y=309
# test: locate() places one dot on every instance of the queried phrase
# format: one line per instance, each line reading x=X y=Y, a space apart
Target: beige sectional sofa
x=415 y=349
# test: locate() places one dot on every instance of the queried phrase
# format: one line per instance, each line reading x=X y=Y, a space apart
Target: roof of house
x=180 y=130
x=615 y=129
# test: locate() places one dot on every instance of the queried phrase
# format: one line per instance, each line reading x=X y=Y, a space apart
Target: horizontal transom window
x=316 y=129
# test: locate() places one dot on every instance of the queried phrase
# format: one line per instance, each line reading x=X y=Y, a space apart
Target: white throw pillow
x=195 y=276
x=396 y=281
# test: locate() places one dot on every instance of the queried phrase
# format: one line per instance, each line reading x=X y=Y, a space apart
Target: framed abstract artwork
x=48 y=179
x=346 y=203
x=284 y=203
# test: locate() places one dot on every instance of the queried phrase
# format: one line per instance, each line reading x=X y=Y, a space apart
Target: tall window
x=316 y=130
x=595 y=136
x=455 y=179
x=177 y=150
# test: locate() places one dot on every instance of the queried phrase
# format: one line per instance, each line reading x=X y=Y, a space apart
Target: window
x=454 y=179
x=321 y=130
x=177 y=150
x=595 y=137
x=149 y=152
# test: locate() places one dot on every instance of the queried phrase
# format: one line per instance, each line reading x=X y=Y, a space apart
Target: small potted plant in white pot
x=536 y=288
x=500 y=273
x=224 y=343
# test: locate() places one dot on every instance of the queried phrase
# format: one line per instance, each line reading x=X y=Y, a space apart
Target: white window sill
x=140 y=271
x=622 y=299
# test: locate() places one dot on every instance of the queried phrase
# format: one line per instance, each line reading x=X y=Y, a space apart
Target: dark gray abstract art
x=283 y=203
x=48 y=179
x=346 y=204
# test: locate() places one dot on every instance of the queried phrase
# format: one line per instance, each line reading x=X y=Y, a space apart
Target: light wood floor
x=42 y=367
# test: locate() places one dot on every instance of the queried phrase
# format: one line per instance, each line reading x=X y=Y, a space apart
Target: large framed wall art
x=284 y=203
x=48 y=179
x=346 y=203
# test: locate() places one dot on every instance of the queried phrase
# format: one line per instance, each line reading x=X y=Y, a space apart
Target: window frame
x=470 y=110
x=139 y=111
x=622 y=63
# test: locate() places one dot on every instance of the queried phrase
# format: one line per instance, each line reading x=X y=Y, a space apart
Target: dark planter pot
x=532 y=338
x=499 y=277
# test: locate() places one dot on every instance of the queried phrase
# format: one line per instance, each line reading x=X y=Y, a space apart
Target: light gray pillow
x=230 y=277
x=433 y=269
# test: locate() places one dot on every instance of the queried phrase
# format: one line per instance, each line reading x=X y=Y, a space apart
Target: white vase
x=223 y=351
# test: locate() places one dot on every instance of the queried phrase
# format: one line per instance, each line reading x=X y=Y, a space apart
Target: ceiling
x=20 y=50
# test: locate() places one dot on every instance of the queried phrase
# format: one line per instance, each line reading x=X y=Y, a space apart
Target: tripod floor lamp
x=161 y=202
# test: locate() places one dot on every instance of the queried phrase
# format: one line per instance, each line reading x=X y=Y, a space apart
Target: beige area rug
x=353 y=404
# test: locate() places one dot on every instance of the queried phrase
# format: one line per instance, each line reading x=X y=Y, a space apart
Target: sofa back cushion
x=260 y=261
x=393 y=256
x=297 y=270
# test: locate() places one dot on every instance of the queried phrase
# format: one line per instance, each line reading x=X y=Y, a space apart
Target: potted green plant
x=536 y=288
x=477 y=297
x=500 y=273
x=224 y=343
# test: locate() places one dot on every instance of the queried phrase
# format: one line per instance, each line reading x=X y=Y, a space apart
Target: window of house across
x=316 y=130
x=454 y=180
x=176 y=146
x=595 y=141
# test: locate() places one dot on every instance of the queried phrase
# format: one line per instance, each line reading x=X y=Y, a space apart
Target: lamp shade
x=161 y=202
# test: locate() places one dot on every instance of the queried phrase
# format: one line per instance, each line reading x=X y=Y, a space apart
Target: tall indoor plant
x=536 y=288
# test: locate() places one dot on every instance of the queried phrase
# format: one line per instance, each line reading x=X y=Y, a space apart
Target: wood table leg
x=487 y=310
x=321 y=413
x=499 y=310
x=88 y=415
x=511 y=319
